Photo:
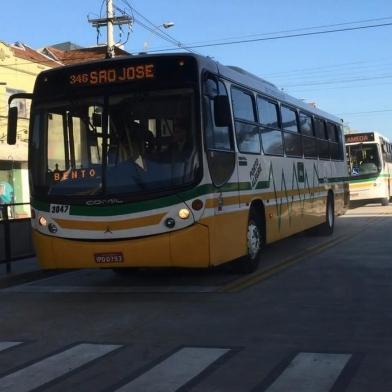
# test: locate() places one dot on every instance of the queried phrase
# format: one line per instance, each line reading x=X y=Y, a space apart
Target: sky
x=347 y=73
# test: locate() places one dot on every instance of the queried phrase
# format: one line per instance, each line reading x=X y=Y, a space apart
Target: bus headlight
x=42 y=221
x=184 y=213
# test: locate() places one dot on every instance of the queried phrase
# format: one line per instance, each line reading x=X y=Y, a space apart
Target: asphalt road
x=316 y=316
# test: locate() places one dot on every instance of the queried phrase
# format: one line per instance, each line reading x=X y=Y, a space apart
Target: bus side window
x=342 y=152
x=308 y=139
x=292 y=138
x=219 y=140
x=271 y=134
x=323 y=145
x=333 y=141
x=216 y=137
x=246 y=130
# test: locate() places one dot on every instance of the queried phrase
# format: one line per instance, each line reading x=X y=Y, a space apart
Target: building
x=60 y=53
x=20 y=65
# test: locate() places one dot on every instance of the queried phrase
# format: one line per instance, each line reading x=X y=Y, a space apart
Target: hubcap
x=330 y=214
x=254 y=240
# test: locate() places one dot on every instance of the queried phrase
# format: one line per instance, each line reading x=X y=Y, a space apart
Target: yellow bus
x=174 y=160
x=369 y=156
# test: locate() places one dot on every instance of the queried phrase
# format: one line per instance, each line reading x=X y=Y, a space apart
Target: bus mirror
x=12 y=124
x=97 y=120
x=222 y=115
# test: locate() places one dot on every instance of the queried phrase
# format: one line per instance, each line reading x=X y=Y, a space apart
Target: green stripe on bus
x=127 y=208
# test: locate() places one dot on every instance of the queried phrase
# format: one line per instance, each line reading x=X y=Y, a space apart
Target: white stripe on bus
x=310 y=372
x=175 y=371
x=5 y=345
x=50 y=368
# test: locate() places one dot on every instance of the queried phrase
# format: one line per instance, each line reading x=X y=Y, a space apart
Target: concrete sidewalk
x=22 y=270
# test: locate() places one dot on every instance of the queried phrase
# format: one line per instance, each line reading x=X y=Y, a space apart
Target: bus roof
x=232 y=73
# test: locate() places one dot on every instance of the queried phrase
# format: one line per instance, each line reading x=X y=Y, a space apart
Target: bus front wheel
x=385 y=201
x=254 y=240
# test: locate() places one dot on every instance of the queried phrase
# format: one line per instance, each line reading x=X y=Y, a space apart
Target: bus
x=174 y=160
x=369 y=156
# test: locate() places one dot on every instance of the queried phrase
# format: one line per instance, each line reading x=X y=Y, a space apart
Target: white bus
x=369 y=156
x=175 y=160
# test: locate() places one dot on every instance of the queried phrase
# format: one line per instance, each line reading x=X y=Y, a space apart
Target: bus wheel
x=254 y=240
x=327 y=227
x=385 y=201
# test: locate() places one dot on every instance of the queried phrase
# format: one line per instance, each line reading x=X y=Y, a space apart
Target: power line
x=306 y=90
x=343 y=70
x=236 y=42
x=154 y=29
x=368 y=112
x=291 y=30
x=339 y=65
x=387 y=76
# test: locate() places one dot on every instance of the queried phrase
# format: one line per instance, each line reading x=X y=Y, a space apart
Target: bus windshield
x=123 y=144
x=363 y=159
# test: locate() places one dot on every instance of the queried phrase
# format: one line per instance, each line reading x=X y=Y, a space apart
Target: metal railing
x=10 y=222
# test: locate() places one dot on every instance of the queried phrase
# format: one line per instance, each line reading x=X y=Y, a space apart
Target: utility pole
x=110 y=40
x=109 y=22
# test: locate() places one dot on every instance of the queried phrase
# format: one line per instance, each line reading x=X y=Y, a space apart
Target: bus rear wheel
x=327 y=227
x=254 y=240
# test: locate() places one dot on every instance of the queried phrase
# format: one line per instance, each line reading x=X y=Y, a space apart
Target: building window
x=22 y=104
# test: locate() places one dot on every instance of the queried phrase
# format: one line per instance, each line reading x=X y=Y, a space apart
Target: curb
x=26 y=277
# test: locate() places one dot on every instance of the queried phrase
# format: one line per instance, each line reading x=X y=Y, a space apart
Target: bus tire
x=255 y=240
x=327 y=227
x=385 y=201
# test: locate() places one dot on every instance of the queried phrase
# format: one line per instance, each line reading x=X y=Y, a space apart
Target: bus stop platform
x=21 y=271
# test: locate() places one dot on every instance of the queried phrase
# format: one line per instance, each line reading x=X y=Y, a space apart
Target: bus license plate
x=108 y=258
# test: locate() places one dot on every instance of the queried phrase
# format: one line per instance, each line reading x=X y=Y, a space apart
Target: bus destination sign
x=113 y=75
x=359 y=137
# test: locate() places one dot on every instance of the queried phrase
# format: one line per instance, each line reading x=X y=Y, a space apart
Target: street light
x=165 y=25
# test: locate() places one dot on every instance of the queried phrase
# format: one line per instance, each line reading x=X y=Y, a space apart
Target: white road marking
x=5 y=345
x=175 y=371
x=311 y=372
x=50 y=368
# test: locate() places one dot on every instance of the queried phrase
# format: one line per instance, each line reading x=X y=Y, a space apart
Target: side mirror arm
x=13 y=116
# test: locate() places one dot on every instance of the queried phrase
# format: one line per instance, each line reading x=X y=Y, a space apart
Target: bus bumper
x=188 y=247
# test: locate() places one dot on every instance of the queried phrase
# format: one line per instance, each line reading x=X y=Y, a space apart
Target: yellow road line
x=243 y=283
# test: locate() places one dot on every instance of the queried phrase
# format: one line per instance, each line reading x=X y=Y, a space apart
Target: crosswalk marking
x=5 y=345
x=57 y=365
x=311 y=372
x=175 y=371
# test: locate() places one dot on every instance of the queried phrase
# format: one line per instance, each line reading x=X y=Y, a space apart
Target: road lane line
x=5 y=345
x=34 y=288
x=310 y=372
x=175 y=371
x=48 y=369
x=258 y=276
